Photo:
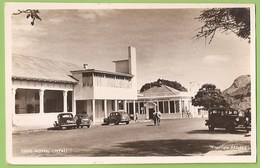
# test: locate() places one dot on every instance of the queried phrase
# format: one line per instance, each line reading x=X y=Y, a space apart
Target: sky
x=163 y=39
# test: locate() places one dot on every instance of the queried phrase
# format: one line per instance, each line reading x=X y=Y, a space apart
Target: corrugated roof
x=163 y=90
x=34 y=68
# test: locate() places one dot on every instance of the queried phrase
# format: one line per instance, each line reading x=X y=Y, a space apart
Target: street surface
x=176 y=137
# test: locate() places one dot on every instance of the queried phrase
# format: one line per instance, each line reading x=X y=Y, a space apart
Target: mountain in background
x=238 y=95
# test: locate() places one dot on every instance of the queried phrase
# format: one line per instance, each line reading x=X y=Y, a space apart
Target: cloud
x=27 y=28
x=212 y=59
x=92 y=15
x=22 y=42
x=55 y=20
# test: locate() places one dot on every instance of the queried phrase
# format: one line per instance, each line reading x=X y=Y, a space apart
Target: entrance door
x=151 y=111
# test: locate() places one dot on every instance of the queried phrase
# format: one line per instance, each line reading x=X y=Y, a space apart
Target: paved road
x=178 y=137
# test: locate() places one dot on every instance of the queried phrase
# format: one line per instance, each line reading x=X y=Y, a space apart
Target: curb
x=50 y=128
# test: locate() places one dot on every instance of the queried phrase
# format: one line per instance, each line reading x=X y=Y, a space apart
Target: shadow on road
x=216 y=132
x=172 y=147
x=149 y=125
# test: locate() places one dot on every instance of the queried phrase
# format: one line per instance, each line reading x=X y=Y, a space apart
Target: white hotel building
x=42 y=88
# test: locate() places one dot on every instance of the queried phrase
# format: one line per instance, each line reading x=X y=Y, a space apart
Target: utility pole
x=192 y=83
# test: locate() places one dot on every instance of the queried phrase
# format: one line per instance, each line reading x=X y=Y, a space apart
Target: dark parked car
x=117 y=117
x=227 y=118
x=247 y=119
x=65 y=120
x=82 y=119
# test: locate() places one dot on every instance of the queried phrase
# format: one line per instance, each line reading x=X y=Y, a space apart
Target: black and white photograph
x=130 y=83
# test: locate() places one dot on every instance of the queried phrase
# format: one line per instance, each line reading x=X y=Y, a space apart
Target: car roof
x=118 y=112
x=65 y=114
x=222 y=109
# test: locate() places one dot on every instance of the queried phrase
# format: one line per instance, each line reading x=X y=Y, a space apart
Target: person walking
x=136 y=117
x=157 y=117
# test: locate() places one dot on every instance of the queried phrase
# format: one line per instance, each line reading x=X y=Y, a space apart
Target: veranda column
x=180 y=109
x=138 y=107
x=94 y=110
x=13 y=106
x=163 y=108
x=115 y=105
x=65 y=106
x=13 y=100
x=134 y=107
x=125 y=107
x=105 y=108
x=174 y=102
x=74 y=108
x=169 y=107
x=41 y=92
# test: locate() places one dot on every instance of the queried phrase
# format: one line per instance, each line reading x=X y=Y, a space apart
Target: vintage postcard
x=130 y=83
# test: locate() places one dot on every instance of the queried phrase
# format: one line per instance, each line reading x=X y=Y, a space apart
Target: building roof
x=163 y=90
x=103 y=72
x=34 y=68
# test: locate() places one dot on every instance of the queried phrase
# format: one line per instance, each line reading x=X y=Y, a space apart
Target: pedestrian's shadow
x=149 y=125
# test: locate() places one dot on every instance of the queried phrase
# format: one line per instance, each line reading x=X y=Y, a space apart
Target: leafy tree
x=236 y=20
x=209 y=96
x=159 y=82
x=31 y=13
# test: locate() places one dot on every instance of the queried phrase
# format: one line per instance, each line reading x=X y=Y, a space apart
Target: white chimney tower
x=85 y=66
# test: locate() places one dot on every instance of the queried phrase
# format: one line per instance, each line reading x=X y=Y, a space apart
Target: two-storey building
x=42 y=88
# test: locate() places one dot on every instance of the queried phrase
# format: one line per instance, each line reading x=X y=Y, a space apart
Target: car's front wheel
x=127 y=122
x=116 y=122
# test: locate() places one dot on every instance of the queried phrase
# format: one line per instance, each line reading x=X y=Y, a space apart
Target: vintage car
x=247 y=119
x=117 y=117
x=65 y=120
x=82 y=119
x=227 y=118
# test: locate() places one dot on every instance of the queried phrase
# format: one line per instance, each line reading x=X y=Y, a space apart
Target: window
x=120 y=105
x=26 y=101
x=182 y=106
x=103 y=105
x=53 y=101
x=87 y=79
x=69 y=101
x=161 y=107
x=172 y=108
x=142 y=107
x=177 y=106
x=166 y=109
x=113 y=105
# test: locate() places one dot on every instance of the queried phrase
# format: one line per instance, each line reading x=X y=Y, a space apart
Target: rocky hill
x=238 y=95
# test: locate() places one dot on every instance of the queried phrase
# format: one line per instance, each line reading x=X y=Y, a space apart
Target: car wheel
x=230 y=127
x=88 y=126
x=127 y=122
x=211 y=127
x=116 y=122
